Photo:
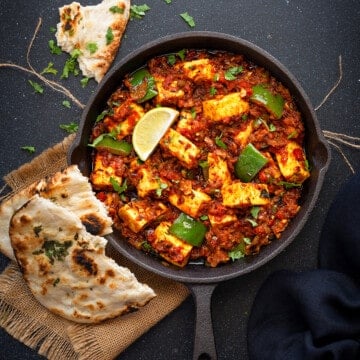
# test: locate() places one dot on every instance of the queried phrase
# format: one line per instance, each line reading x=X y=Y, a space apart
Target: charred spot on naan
x=83 y=263
x=93 y=223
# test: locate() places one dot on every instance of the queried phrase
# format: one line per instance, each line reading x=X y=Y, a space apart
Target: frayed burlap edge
x=25 y=326
x=48 y=162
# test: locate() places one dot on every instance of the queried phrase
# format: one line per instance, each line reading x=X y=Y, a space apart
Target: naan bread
x=66 y=267
x=80 y=26
x=68 y=188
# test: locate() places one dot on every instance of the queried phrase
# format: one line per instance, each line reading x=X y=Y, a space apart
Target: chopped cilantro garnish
x=231 y=73
x=55 y=250
x=52 y=29
x=70 y=66
x=54 y=49
x=37 y=87
x=116 y=10
x=84 y=81
x=237 y=252
x=117 y=186
x=188 y=19
x=168 y=1
x=138 y=11
x=109 y=36
x=67 y=104
x=219 y=142
x=70 y=128
x=213 y=91
x=30 y=149
x=49 y=69
x=254 y=211
x=92 y=47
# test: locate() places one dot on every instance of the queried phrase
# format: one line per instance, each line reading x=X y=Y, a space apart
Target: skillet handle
x=204 y=342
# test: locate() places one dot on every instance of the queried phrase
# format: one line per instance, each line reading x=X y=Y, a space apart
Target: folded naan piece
x=68 y=188
x=96 y=31
x=66 y=267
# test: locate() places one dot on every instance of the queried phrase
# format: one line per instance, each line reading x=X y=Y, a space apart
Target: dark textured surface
x=306 y=36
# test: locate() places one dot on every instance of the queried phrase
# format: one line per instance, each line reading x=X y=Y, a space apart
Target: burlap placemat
x=54 y=337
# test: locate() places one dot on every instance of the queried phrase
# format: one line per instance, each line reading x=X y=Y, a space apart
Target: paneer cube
x=124 y=119
x=138 y=213
x=180 y=147
x=292 y=163
x=188 y=200
x=185 y=121
x=169 y=246
x=242 y=137
x=238 y=194
x=225 y=107
x=149 y=183
x=219 y=173
x=101 y=174
x=198 y=70
x=222 y=219
x=168 y=95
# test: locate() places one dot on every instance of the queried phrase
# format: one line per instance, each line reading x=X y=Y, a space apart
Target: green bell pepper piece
x=273 y=103
x=249 y=163
x=188 y=229
x=116 y=147
x=138 y=77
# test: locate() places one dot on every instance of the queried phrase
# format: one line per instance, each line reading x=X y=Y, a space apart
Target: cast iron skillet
x=202 y=280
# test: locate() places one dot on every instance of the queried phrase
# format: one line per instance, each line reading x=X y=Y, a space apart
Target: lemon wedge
x=150 y=129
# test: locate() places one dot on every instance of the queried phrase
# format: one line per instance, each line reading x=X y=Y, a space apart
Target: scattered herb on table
x=70 y=66
x=188 y=19
x=84 y=81
x=37 y=87
x=138 y=11
x=30 y=149
x=67 y=104
x=49 y=69
x=70 y=128
x=54 y=49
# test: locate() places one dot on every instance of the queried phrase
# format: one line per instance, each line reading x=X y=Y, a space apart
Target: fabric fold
x=315 y=314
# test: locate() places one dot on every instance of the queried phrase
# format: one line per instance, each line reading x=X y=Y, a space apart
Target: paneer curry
x=227 y=176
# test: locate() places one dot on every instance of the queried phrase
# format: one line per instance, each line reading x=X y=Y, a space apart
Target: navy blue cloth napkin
x=315 y=315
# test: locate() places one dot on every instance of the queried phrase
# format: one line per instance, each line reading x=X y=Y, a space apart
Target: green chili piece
x=188 y=229
x=249 y=163
x=138 y=79
x=273 y=103
x=113 y=146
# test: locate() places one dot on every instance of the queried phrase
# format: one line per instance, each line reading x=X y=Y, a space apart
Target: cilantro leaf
x=49 y=69
x=84 y=81
x=30 y=149
x=54 y=49
x=109 y=36
x=231 y=73
x=138 y=11
x=116 y=10
x=237 y=252
x=92 y=47
x=70 y=128
x=188 y=19
x=70 y=66
x=37 y=87
x=67 y=104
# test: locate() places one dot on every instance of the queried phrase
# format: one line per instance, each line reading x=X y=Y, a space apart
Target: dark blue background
x=306 y=36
